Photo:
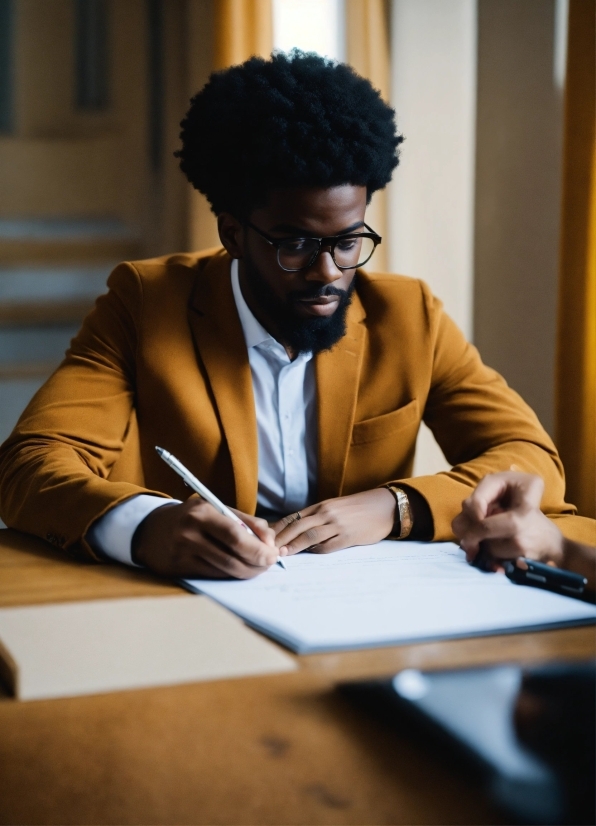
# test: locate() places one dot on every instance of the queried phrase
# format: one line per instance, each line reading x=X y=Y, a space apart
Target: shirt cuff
x=112 y=533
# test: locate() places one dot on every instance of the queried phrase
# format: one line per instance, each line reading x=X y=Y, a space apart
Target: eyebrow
x=304 y=233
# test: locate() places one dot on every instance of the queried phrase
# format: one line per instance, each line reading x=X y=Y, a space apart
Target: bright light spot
x=560 y=43
x=411 y=684
x=310 y=25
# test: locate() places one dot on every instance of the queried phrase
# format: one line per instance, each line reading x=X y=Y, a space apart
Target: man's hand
x=504 y=515
x=193 y=540
x=359 y=519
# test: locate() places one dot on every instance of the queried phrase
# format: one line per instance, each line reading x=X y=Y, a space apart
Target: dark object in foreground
x=527 y=735
x=544 y=576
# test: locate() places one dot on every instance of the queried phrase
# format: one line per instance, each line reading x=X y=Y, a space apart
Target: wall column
x=431 y=198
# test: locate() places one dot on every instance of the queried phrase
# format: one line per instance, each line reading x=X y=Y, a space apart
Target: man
x=288 y=380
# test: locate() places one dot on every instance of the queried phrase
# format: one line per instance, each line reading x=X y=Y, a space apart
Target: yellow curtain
x=576 y=356
x=367 y=35
x=241 y=28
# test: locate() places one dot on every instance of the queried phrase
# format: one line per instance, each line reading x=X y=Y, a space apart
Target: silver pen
x=204 y=492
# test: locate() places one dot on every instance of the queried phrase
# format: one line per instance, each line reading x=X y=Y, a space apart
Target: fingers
x=315 y=525
x=515 y=534
x=260 y=526
x=292 y=519
x=499 y=526
x=292 y=526
x=193 y=539
x=489 y=491
x=502 y=549
x=532 y=489
x=313 y=535
x=499 y=531
x=283 y=523
x=503 y=491
x=501 y=535
x=215 y=561
x=232 y=536
x=523 y=490
x=511 y=495
x=205 y=534
x=462 y=527
x=358 y=519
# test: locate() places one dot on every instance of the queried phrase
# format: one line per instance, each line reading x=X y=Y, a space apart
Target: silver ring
x=297 y=516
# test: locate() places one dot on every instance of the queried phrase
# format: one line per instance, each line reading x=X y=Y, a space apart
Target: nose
x=324 y=269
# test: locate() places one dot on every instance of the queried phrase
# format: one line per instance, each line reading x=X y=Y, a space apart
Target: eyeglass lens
x=352 y=251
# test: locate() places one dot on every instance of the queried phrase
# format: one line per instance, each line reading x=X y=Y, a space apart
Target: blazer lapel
x=219 y=339
x=337 y=376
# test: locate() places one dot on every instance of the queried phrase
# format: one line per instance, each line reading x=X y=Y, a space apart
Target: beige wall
x=484 y=235
x=179 y=217
x=60 y=162
x=518 y=175
x=202 y=226
x=167 y=190
x=431 y=208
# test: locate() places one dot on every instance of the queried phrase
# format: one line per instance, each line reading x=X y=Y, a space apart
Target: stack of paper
x=385 y=594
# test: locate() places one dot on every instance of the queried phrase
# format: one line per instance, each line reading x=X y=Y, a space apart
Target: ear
x=231 y=234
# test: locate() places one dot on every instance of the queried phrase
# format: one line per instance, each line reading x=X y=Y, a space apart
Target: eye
x=297 y=245
x=347 y=244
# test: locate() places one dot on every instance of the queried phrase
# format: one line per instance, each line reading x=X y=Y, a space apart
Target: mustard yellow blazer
x=161 y=360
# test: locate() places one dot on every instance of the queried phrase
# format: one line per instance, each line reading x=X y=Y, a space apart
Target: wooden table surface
x=282 y=749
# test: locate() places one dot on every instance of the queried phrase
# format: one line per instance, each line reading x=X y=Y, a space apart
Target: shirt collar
x=255 y=335
x=254 y=332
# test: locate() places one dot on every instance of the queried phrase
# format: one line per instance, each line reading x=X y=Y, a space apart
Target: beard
x=311 y=335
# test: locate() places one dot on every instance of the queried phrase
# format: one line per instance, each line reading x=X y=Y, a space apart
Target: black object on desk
x=530 y=572
x=527 y=735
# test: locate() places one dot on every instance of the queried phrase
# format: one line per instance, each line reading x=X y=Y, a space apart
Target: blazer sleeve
x=482 y=426
x=54 y=467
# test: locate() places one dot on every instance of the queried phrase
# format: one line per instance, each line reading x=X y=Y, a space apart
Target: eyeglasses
x=347 y=251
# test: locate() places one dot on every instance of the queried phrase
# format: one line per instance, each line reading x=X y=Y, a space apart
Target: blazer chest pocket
x=382 y=427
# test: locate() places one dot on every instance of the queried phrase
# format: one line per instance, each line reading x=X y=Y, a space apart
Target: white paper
x=385 y=594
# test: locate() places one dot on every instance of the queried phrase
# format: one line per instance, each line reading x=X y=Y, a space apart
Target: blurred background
x=493 y=202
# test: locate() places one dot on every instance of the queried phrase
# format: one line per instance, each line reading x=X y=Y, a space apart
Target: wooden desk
x=274 y=750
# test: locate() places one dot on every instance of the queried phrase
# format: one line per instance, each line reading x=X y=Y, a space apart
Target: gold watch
x=404 y=521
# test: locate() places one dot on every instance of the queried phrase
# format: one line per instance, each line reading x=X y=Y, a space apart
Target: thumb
x=260 y=527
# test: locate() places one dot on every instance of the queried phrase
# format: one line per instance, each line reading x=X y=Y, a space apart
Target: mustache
x=317 y=292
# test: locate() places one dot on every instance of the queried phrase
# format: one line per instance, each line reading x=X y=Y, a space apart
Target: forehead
x=313 y=210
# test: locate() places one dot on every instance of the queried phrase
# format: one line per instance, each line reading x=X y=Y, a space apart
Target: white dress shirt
x=285 y=401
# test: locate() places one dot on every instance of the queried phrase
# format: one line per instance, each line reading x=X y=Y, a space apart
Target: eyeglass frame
x=330 y=240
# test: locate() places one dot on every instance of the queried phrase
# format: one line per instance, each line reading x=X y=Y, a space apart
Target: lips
x=323 y=305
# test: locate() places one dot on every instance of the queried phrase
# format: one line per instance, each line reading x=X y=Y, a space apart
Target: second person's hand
x=503 y=517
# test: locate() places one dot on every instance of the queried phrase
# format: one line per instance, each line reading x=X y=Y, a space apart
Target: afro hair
x=296 y=119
